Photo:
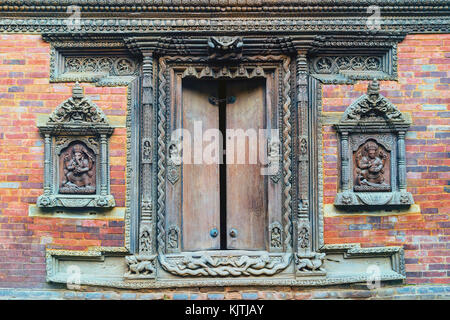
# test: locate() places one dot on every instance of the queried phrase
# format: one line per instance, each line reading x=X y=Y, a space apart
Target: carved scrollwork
x=77 y=109
x=336 y=64
x=372 y=106
x=207 y=264
x=115 y=66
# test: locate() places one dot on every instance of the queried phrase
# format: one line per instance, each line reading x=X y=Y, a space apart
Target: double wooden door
x=222 y=199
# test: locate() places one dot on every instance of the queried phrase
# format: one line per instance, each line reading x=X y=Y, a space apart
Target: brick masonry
x=415 y=292
x=26 y=95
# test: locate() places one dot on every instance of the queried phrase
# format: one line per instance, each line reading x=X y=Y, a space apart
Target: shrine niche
x=372 y=147
x=76 y=166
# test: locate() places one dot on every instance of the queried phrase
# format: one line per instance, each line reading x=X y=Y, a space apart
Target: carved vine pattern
x=118 y=66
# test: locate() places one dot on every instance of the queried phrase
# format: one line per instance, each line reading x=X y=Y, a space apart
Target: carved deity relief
x=77 y=170
x=371 y=163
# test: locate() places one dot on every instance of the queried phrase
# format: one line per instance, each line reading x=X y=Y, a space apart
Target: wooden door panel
x=201 y=186
x=246 y=187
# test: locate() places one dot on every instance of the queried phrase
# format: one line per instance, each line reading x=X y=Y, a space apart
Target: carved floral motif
x=77 y=109
x=372 y=106
x=335 y=64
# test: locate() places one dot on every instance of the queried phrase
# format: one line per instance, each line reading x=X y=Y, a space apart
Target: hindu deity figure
x=79 y=171
x=370 y=163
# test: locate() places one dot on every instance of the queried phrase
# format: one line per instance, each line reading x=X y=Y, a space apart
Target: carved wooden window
x=228 y=203
x=229 y=218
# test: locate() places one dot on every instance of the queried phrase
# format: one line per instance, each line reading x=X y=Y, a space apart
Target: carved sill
x=76 y=201
x=350 y=199
x=103 y=266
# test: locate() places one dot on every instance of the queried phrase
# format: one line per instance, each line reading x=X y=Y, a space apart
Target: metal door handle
x=233 y=233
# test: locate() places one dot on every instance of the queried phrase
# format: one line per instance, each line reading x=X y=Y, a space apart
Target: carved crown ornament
x=76 y=165
x=372 y=151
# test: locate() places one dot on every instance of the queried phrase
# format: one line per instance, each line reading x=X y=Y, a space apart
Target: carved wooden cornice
x=119 y=27
x=222 y=6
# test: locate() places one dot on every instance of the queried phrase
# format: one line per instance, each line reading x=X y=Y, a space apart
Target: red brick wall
x=423 y=91
x=25 y=94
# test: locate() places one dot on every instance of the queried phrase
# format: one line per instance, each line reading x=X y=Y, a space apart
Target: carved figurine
x=172 y=240
x=79 y=170
x=276 y=238
x=223 y=48
x=370 y=163
x=139 y=265
x=313 y=263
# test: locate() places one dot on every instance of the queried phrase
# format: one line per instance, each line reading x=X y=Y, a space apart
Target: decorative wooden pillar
x=303 y=148
x=143 y=264
x=344 y=161
x=104 y=165
x=146 y=243
x=48 y=164
x=401 y=161
x=305 y=258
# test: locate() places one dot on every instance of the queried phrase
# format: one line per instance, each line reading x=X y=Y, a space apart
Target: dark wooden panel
x=246 y=187
x=201 y=188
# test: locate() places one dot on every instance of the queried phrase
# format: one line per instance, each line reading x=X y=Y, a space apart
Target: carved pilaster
x=344 y=161
x=47 y=164
x=104 y=165
x=146 y=243
x=401 y=161
x=302 y=110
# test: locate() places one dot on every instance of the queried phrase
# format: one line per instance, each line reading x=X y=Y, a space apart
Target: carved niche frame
x=310 y=261
x=76 y=121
